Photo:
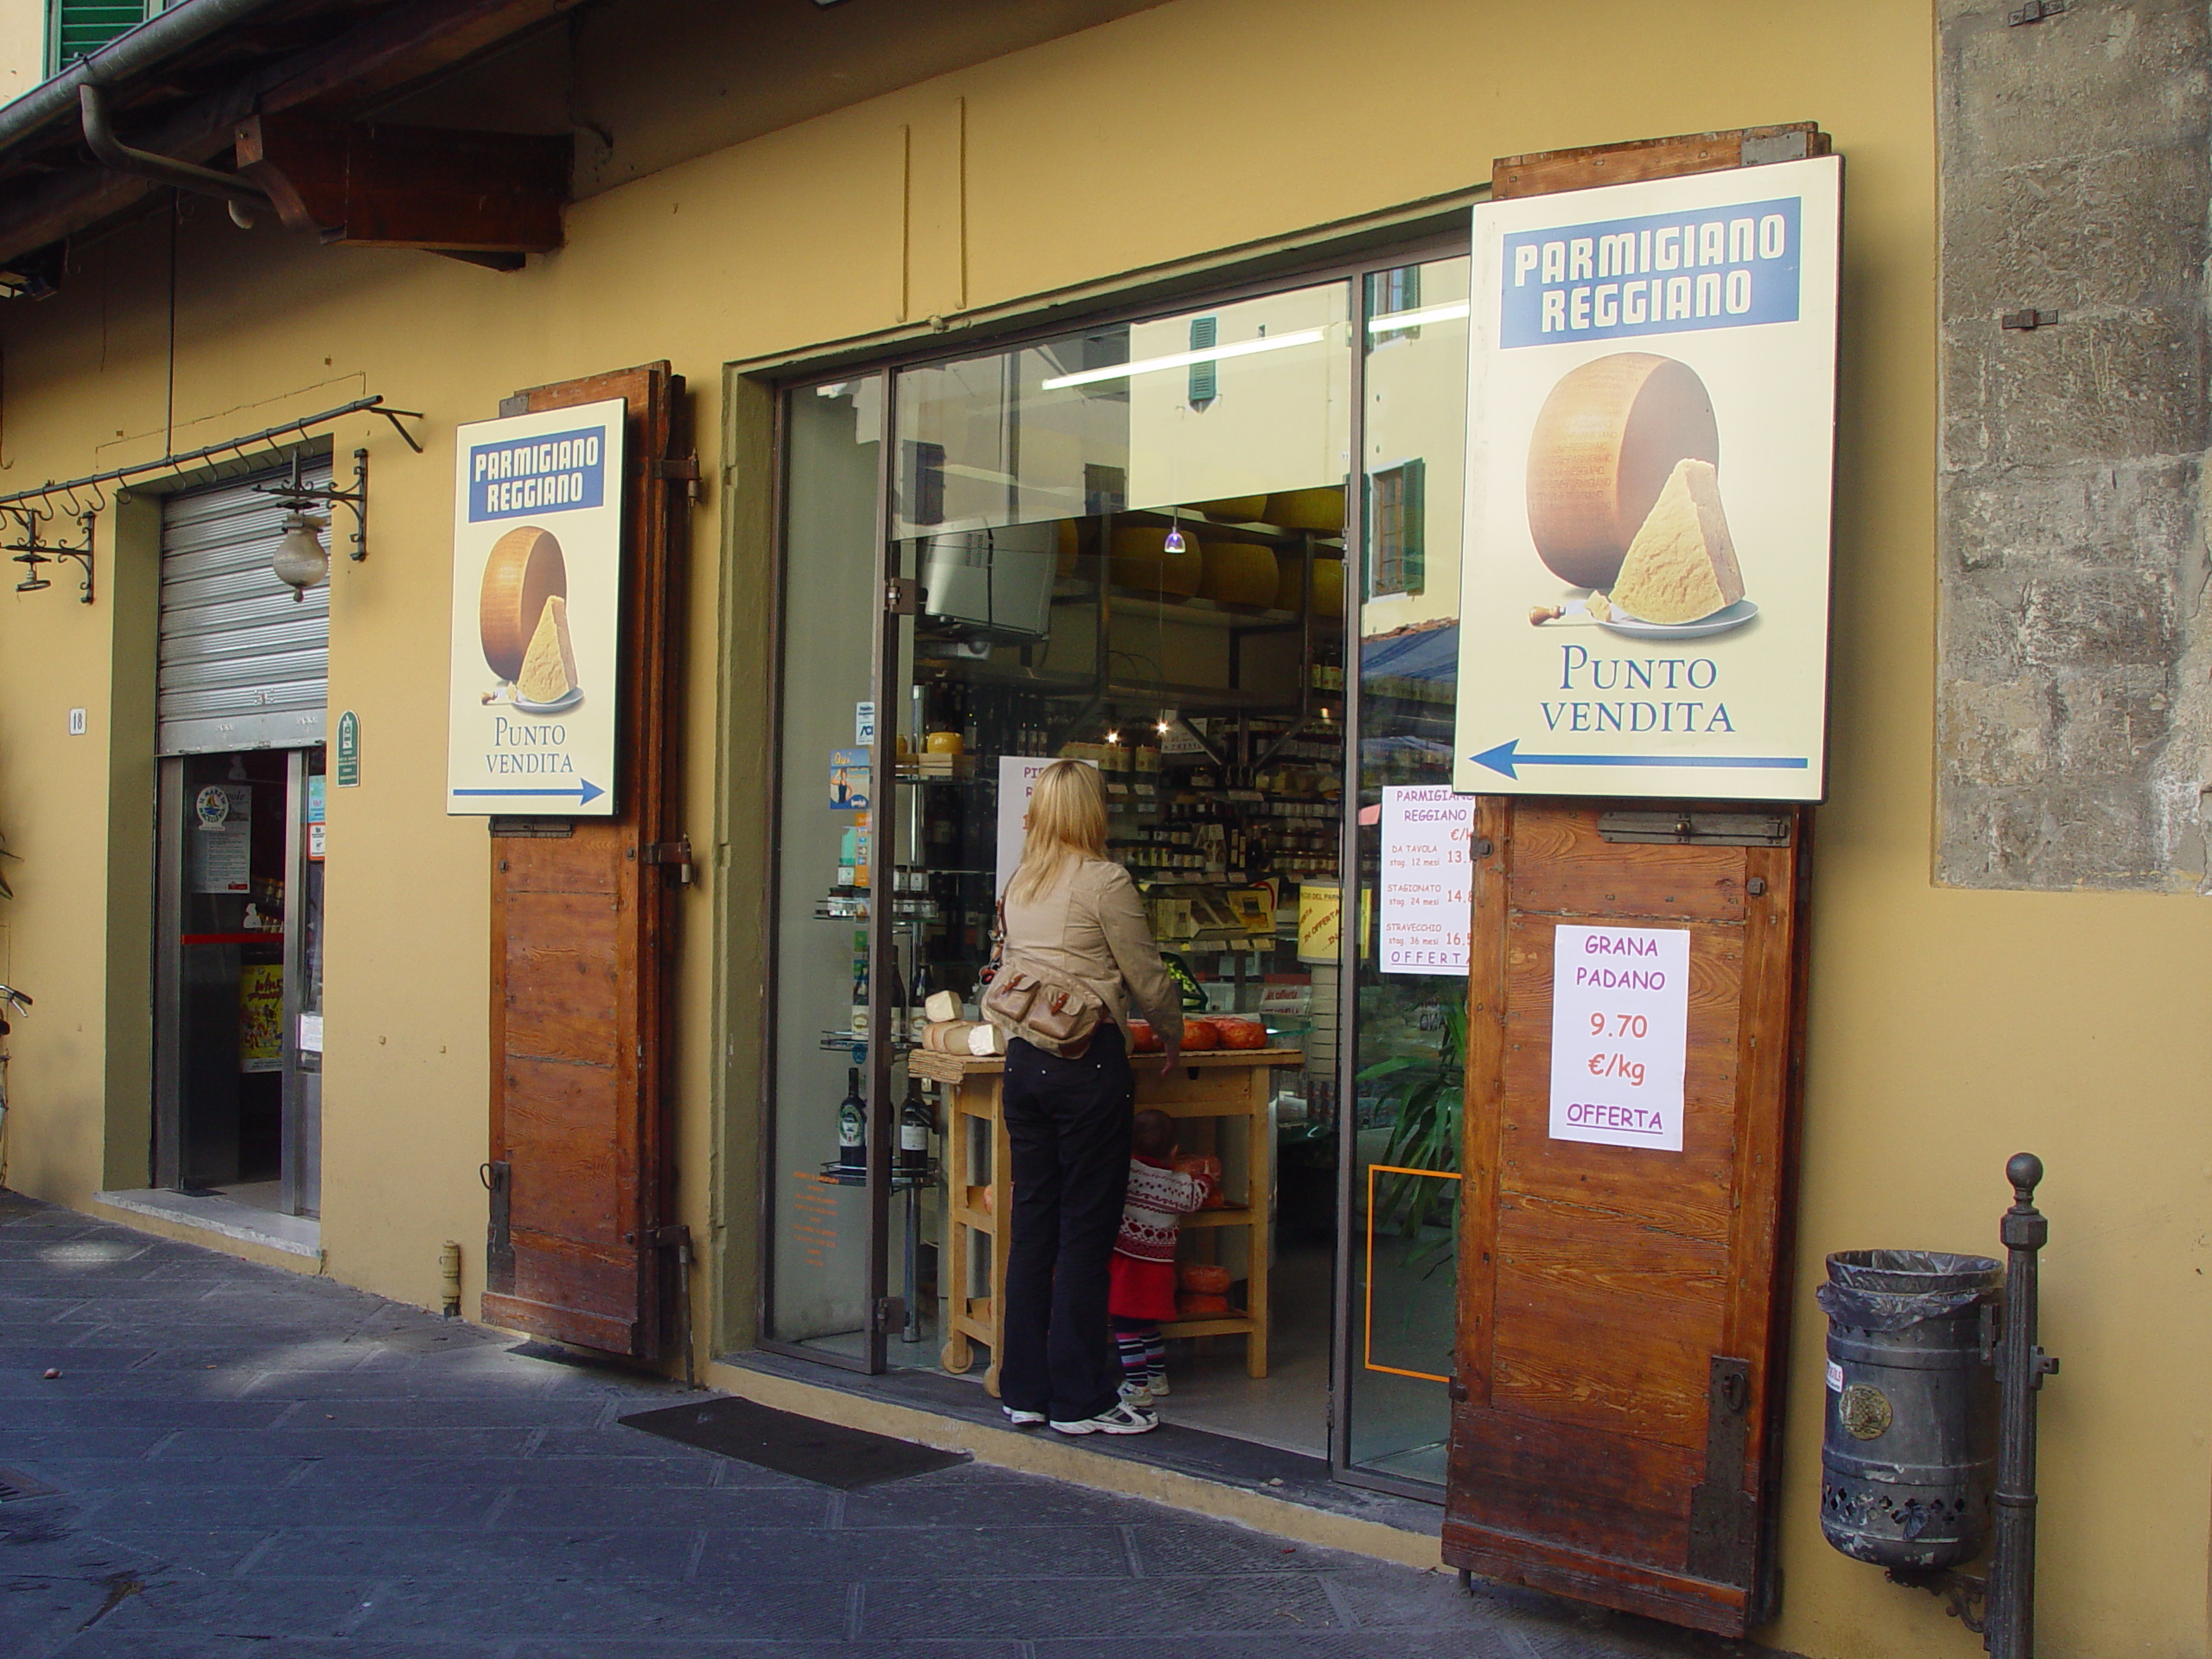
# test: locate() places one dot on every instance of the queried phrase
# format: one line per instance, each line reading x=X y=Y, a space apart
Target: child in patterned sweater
x=1141 y=1294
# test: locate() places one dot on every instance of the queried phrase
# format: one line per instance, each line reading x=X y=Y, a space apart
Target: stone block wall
x=2074 y=690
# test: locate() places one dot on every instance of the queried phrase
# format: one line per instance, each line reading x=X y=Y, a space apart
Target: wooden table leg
x=953 y=1270
x=1259 y=1158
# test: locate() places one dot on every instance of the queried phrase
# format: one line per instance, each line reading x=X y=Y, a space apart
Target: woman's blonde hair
x=1067 y=823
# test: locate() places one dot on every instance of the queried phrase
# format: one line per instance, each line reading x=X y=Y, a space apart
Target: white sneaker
x=1022 y=1419
x=1156 y=1384
x=1119 y=1418
x=1136 y=1396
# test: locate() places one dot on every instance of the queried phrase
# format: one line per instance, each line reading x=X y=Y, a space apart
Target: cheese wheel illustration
x=1604 y=446
x=549 y=668
x=523 y=571
x=1682 y=567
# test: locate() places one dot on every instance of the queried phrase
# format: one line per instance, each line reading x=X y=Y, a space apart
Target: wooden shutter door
x=582 y=944
x=1623 y=1309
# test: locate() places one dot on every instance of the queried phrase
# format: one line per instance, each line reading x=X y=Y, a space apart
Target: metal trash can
x=1908 y=1454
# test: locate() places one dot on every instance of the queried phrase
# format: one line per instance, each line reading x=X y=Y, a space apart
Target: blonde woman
x=1073 y=914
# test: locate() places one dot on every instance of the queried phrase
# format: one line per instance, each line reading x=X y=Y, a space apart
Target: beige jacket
x=1092 y=929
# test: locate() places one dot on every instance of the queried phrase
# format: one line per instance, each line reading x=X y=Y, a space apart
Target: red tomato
x=1200 y=1034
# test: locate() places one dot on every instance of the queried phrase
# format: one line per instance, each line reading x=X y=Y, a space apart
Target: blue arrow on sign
x=586 y=793
x=1505 y=759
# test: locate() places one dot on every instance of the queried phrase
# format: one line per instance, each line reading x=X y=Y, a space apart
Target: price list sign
x=1428 y=878
x=1620 y=1033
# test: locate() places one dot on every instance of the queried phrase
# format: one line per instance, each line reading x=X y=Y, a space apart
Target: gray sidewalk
x=243 y=1461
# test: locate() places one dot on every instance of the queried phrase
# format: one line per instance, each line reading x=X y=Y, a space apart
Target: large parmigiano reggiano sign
x=1644 y=591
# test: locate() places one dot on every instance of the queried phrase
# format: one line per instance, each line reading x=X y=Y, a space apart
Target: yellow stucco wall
x=1949 y=1028
x=22 y=46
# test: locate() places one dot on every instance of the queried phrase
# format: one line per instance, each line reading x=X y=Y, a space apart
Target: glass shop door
x=239 y=978
x=1215 y=555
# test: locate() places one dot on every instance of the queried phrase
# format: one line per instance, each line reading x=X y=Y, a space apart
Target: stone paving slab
x=248 y=1461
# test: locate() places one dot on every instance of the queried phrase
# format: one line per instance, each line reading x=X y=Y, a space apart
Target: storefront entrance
x=239 y=891
x=1133 y=544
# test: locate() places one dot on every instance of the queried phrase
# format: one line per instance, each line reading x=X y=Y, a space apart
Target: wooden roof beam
x=382 y=186
x=361 y=66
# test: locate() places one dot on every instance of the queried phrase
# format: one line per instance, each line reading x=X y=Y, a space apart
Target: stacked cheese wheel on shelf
x=1141 y=560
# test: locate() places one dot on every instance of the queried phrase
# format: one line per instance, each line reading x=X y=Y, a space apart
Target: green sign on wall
x=348 y=768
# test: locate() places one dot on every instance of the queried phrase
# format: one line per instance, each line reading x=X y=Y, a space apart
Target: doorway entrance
x=1180 y=547
x=239 y=886
x=240 y=1013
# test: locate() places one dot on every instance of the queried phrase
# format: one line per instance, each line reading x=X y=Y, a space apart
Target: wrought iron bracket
x=1965 y=1595
x=296 y=494
x=31 y=553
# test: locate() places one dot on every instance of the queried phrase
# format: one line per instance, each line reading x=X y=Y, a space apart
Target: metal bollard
x=2021 y=1367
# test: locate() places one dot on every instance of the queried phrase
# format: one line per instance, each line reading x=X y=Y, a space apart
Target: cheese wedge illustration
x=548 y=667
x=1681 y=566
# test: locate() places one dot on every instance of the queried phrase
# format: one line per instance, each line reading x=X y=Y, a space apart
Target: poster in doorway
x=537 y=609
x=261 y=1017
x=1644 y=585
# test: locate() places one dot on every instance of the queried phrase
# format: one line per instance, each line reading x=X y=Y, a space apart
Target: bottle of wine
x=918 y=1014
x=852 y=1123
x=914 y=1126
x=895 y=1021
x=859 y=1026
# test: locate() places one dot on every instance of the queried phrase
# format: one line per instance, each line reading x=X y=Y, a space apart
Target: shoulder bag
x=1045 y=1010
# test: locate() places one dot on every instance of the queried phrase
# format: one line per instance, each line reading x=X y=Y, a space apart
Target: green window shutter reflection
x=1204 y=385
x=1397 y=516
x=78 y=28
x=1413 y=527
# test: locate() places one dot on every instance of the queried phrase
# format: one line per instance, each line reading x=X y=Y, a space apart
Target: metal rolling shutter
x=243 y=665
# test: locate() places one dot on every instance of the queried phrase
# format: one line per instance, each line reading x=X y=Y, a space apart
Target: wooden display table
x=1211 y=1085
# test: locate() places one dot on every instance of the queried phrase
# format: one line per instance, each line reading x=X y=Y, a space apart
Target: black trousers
x=1069 y=1124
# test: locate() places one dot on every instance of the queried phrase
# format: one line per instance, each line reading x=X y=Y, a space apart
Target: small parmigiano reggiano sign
x=536 y=605
x=1645 y=590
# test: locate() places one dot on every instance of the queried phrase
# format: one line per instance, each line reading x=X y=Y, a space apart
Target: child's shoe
x=1136 y=1396
x=1156 y=1385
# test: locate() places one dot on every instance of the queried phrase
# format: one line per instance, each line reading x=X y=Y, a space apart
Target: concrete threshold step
x=211 y=1219
x=1280 y=1492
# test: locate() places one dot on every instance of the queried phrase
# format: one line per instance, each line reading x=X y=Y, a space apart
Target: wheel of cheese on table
x=523 y=571
x=1604 y=446
x=1239 y=573
x=1142 y=561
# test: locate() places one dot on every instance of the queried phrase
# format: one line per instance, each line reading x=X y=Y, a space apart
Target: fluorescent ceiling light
x=1391 y=320
x=1184 y=360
